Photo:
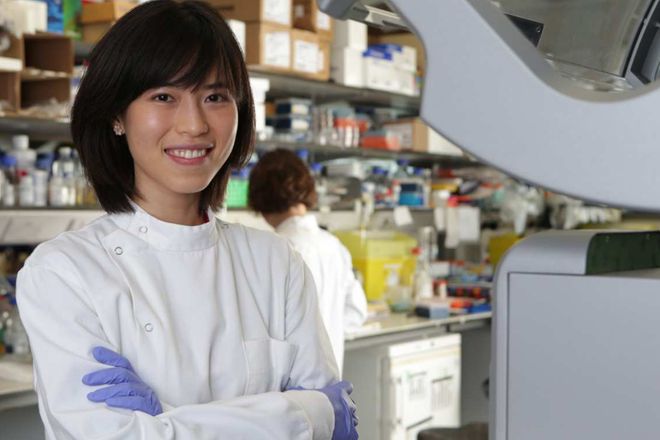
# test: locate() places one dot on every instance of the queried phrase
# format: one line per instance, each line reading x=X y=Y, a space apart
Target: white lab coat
x=217 y=319
x=342 y=300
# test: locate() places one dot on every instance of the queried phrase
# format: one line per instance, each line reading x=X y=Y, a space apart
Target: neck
x=180 y=209
x=276 y=219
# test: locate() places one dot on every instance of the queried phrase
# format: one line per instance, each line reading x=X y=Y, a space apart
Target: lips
x=189 y=154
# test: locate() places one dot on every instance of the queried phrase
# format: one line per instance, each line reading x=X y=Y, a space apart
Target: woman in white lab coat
x=282 y=190
x=158 y=321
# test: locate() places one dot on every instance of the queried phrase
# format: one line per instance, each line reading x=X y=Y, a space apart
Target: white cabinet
x=403 y=388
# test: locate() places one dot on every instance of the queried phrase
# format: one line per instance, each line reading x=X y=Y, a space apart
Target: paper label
x=278 y=11
x=277 y=49
x=322 y=21
x=305 y=56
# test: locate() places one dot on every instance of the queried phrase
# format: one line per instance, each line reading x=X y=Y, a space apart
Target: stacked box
x=311 y=39
x=415 y=135
x=267 y=30
x=348 y=44
x=97 y=18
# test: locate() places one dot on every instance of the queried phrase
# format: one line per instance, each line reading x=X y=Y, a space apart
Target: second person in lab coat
x=283 y=190
x=159 y=321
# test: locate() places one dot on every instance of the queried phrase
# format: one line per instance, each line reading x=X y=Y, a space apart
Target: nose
x=190 y=117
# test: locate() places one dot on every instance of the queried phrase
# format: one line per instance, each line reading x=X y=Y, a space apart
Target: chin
x=189 y=186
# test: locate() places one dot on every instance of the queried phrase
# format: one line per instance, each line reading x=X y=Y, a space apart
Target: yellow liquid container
x=375 y=252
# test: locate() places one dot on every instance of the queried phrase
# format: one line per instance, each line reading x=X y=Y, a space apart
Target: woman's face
x=179 y=138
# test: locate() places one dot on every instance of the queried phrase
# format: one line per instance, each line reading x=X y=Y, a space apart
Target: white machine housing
x=574 y=345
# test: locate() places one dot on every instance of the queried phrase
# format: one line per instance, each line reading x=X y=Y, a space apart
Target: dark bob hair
x=279 y=181
x=157 y=43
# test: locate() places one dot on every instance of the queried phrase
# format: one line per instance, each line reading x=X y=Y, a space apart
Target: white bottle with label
x=25 y=157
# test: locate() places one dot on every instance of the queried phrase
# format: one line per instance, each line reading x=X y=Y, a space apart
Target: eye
x=216 y=97
x=163 y=97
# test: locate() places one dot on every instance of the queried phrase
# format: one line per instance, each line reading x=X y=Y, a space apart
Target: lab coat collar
x=307 y=221
x=168 y=236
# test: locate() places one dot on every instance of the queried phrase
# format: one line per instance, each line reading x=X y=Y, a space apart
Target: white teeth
x=188 y=154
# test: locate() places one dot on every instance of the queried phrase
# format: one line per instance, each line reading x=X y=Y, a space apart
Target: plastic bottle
x=61 y=189
x=25 y=157
x=423 y=281
x=26 y=190
x=68 y=171
x=398 y=297
x=58 y=194
x=321 y=186
x=40 y=180
x=16 y=339
x=10 y=182
x=82 y=187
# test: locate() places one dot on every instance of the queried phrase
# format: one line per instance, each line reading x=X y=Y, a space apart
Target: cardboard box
x=92 y=32
x=404 y=57
x=307 y=57
x=415 y=135
x=347 y=67
x=349 y=33
x=268 y=45
x=380 y=74
x=105 y=12
x=308 y=16
x=403 y=39
x=266 y=11
x=324 y=61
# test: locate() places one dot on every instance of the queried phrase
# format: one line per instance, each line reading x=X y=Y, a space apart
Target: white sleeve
x=61 y=323
x=355 y=310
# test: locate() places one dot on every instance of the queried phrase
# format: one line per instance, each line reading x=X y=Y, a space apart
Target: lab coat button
x=143 y=229
x=119 y=250
x=148 y=327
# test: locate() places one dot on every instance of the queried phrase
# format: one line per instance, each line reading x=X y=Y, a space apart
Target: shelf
x=36 y=128
x=44 y=129
x=329 y=151
x=283 y=86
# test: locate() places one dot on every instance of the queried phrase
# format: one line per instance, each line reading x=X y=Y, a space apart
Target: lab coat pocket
x=269 y=364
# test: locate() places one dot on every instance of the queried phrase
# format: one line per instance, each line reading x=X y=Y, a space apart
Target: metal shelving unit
x=282 y=86
x=322 y=152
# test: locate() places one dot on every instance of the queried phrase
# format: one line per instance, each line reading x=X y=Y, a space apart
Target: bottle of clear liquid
x=68 y=172
x=40 y=180
x=80 y=181
x=16 y=339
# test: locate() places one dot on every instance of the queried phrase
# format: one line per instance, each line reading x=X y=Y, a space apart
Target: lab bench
x=399 y=327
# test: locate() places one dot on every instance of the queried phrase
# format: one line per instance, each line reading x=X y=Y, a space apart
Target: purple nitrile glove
x=128 y=391
x=345 y=418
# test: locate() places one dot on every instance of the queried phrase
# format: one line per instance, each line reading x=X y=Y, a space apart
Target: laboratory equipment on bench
x=574 y=356
x=406 y=387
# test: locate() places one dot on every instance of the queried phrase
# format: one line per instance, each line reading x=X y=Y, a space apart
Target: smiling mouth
x=189 y=152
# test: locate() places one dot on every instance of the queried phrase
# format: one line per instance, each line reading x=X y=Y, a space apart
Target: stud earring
x=118 y=129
